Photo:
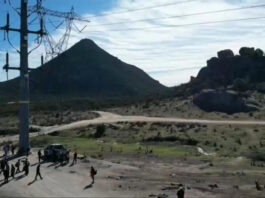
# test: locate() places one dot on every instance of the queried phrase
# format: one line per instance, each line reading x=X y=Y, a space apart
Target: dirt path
x=106 y=117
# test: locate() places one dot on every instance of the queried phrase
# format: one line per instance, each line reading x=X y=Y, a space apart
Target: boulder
x=222 y=101
x=247 y=51
x=224 y=54
x=259 y=53
x=213 y=62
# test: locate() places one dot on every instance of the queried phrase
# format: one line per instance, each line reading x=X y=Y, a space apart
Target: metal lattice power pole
x=24 y=53
x=24 y=73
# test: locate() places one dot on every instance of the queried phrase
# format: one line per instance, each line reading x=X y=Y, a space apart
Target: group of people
x=8 y=148
x=10 y=171
x=13 y=169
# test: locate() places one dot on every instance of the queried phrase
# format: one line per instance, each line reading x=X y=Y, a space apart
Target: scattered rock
x=162 y=196
x=213 y=186
x=152 y=195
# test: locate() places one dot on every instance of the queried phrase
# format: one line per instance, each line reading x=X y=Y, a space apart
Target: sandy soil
x=123 y=177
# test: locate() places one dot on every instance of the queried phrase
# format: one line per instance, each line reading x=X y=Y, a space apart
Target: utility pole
x=24 y=73
x=24 y=53
x=24 y=80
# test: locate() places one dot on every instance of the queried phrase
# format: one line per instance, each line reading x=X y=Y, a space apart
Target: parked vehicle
x=56 y=152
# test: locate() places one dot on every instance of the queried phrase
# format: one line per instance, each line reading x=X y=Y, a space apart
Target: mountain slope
x=87 y=70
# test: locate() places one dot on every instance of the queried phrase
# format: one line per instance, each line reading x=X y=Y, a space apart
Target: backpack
x=94 y=172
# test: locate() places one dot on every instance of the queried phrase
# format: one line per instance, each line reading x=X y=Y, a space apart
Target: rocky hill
x=86 y=70
x=226 y=83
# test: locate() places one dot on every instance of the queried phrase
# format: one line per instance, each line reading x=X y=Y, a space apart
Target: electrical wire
x=144 y=8
x=184 y=15
x=184 y=25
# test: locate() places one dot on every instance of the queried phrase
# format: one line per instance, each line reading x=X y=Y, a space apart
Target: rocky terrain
x=228 y=82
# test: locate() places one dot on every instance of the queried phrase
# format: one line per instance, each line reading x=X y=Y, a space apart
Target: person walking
x=39 y=155
x=26 y=167
x=181 y=192
x=13 y=149
x=93 y=172
x=13 y=171
x=75 y=158
x=18 y=166
x=5 y=150
x=38 y=172
x=3 y=164
x=6 y=172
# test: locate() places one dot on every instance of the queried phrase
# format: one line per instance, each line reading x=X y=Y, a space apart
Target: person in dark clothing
x=38 y=172
x=93 y=172
x=181 y=193
x=67 y=156
x=18 y=166
x=75 y=158
x=6 y=172
x=28 y=151
x=3 y=164
x=39 y=155
x=12 y=149
x=26 y=167
x=13 y=171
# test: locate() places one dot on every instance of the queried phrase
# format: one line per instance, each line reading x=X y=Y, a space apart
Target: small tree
x=100 y=131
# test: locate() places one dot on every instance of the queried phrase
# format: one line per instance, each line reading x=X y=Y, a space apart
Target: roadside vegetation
x=172 y=140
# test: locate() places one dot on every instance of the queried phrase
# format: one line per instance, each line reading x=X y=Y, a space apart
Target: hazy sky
x=168 y=52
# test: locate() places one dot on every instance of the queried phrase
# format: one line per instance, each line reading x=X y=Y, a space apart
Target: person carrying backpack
x=93 y=172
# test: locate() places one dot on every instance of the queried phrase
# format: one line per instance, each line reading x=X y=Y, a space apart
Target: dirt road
x=106 y=117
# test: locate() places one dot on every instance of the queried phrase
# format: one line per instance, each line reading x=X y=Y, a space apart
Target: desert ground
x=141 y=156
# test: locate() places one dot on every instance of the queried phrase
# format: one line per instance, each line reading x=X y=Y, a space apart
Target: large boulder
x=221 y=101
x=247 y=51
x=224 y=54
x=259 y=53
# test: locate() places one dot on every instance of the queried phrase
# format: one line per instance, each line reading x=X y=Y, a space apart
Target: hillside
x=230 y=86
x=87 y=70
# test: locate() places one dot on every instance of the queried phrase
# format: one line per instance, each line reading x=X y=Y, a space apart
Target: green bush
x=100 y=131
x=257 y=155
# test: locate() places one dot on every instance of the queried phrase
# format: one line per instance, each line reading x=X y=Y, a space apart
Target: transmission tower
x=24 y=12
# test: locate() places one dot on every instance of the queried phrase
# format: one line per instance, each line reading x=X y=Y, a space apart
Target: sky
x=151 y=39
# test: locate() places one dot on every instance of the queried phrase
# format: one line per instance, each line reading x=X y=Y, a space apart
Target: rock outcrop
x=222 y=101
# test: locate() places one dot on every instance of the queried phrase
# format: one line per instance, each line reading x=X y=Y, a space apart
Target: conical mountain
x=87 y=70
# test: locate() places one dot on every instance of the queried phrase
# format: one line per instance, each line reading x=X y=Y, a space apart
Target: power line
x=185 y=15
x=144 y=8
x=185 y=25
